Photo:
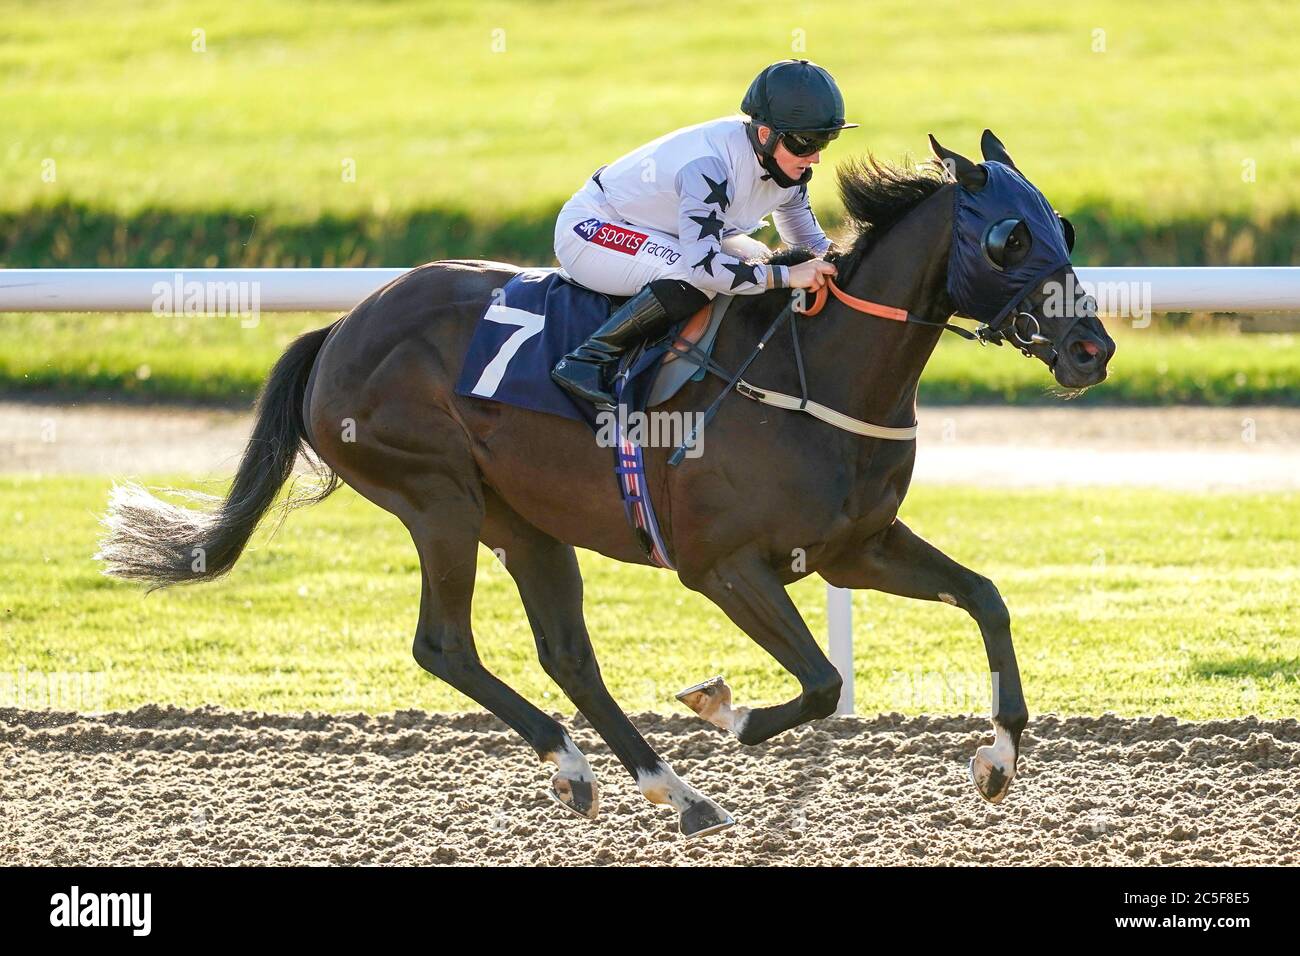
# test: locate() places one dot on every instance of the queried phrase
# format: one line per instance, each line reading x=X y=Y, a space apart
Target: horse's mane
x=876 y=195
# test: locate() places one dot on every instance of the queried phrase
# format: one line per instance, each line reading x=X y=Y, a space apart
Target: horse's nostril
x=1083 y=352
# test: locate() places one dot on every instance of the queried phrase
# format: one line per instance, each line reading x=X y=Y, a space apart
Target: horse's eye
x=1006 y=243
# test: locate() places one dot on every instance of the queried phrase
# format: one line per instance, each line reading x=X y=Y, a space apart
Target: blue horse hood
x=977 y=287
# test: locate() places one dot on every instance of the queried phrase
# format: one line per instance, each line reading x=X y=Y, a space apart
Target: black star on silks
x=717 y=193
x=743 y=272
x=707 y=262
x=710 y=225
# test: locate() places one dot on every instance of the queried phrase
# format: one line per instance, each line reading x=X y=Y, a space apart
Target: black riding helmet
x=801 y=104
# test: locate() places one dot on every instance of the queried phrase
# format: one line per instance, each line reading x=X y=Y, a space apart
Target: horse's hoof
x=580 y=796
x=712 y=701
x=991 y=779
x=706 y=697
x=704 y=817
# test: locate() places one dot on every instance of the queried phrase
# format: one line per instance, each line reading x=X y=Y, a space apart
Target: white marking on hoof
x=664 y=786
x=697 y=814
x=993 y=767
x=571 y=762
x=574 y=786
x=712 y=701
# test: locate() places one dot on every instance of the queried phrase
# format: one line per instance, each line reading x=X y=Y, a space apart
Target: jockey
x=669 y=224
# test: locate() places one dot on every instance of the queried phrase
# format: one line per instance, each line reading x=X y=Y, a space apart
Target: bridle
x=1011 y=323
x=1007 y=328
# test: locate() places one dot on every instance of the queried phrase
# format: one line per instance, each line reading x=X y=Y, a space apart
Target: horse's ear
x=994 y=151
x=1067 y=227
x=958 y=167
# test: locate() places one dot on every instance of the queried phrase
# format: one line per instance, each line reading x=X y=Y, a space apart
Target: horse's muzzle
x=1081 y=359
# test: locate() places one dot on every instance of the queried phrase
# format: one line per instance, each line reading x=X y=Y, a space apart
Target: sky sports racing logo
x=611 y=236
x=587 y=228
x=75 y=908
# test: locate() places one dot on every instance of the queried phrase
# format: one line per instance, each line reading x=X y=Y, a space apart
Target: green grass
x=1132 y=601
x=1151 y=367
x=1169 y=139
x=125 y=145
x=215 y=359
x=200 y=358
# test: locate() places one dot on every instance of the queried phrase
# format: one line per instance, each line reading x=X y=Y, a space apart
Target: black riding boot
x=585 y=372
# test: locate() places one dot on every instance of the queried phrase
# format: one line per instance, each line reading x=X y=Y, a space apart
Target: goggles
x=805 y=143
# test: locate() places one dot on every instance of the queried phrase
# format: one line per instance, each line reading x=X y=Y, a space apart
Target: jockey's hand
x=811 y=274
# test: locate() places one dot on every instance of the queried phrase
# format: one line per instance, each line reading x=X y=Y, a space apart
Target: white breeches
x=603 y=253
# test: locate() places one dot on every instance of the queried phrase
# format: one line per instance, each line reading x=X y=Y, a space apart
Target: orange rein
x=853 y=302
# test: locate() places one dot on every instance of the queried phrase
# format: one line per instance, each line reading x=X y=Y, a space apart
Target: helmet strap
x=766 y=153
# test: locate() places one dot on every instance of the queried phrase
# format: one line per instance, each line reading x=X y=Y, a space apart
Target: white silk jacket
x=703 y=184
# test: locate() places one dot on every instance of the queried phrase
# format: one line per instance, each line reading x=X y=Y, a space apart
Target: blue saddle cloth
x=537 y=319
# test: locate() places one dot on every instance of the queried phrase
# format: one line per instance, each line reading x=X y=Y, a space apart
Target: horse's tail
x=151 y=540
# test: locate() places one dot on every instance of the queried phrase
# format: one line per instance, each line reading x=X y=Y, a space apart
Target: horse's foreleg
x=550 y=584
x=898 y=562
x=752 y=595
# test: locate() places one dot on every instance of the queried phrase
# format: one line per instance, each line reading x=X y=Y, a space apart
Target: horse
x=372 y=399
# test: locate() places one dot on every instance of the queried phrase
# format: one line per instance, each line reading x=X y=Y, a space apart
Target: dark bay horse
x=373 y=397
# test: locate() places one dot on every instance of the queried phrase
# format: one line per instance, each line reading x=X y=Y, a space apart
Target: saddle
x=542 y=315
x=697 y=332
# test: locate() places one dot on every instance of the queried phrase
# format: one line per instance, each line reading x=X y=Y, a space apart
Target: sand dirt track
x=1176 y=447
x=163 y=785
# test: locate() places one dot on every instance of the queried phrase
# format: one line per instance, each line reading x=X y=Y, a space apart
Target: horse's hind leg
x=550 y=583
x=403 y=451
x=445 y=527
x=444 y=646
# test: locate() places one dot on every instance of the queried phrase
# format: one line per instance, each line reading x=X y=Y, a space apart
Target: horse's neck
x=871 y=366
